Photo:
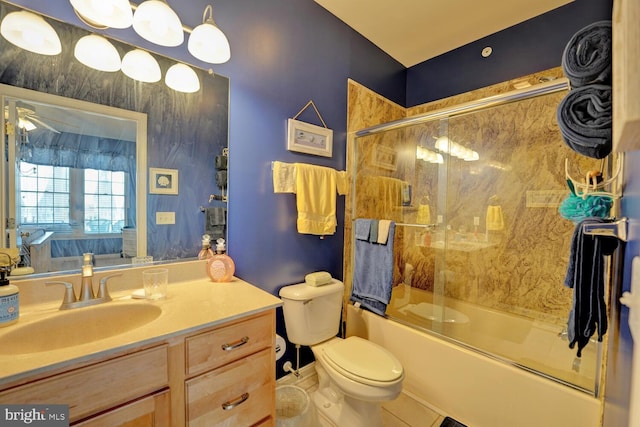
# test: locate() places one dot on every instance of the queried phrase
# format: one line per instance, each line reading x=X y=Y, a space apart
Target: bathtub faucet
x=564 y=334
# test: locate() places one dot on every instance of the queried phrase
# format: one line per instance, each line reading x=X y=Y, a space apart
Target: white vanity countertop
x=190 y=306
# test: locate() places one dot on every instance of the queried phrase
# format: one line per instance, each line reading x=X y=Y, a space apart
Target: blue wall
x=619 y=373
x=534 y=45
x=285 y=53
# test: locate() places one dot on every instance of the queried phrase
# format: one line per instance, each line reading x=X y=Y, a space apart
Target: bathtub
x=532 y=343
x=477 y=390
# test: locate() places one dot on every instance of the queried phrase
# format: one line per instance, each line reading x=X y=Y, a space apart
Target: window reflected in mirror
x=76 y=171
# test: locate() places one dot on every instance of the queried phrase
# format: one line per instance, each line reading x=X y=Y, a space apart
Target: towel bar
x=403 y=224
x=613 y=229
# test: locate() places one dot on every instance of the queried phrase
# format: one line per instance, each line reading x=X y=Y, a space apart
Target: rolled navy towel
x=584 y=117
x=587 y=57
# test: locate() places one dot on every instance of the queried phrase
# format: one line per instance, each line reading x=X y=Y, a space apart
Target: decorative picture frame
x=310 y=139
x=163 y=181
x=384 y=157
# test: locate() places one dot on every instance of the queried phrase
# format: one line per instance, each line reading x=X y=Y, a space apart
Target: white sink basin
x=76 y=327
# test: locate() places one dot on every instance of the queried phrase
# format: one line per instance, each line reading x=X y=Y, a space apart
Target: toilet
x=354 y=375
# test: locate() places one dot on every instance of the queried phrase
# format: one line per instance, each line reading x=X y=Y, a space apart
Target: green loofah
x=575 y=208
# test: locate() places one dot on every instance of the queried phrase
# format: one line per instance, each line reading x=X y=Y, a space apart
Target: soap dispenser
x=9 y=303
x=220 y=267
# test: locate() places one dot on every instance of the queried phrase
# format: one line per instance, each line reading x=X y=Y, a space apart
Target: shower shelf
x=612 y=229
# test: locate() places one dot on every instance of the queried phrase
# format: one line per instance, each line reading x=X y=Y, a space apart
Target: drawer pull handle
x=229 y=347
x=233 y=403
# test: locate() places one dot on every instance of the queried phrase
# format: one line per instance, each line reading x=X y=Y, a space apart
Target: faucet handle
x=103 y=291
x=69 y=294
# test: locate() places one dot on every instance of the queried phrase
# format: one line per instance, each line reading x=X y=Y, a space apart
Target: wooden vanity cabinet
x=150 y=411
x=221 y=376
x=230 y=374
x=139 y=380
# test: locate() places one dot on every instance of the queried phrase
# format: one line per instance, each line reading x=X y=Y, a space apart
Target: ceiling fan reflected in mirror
x=29 y=119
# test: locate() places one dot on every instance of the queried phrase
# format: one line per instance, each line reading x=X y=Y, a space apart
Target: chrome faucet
x=87 y=296
x=86 y=286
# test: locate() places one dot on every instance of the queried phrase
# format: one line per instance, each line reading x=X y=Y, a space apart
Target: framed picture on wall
x=311 y=139
x=163 y=181
x=384 y=157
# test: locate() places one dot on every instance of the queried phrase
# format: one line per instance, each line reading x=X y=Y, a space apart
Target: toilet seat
x=363 y=361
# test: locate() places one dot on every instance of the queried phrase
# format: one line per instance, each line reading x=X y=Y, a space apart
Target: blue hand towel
x=587 y=56
x=373 y=271
x=585 y=274
x=584 y=116
x=362 y=228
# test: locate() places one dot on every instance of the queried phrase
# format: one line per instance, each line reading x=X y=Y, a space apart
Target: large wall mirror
x=79 y=148
x=74 y=179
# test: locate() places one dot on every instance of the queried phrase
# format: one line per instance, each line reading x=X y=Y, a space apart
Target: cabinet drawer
x=238 y=394
x=267 y=422
x=212 y=349
x=97 y=387
x=151 y=411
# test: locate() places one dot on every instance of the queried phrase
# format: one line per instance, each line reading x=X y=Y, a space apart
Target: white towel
x=383 y=231
x=318 y=278
x=284 y=177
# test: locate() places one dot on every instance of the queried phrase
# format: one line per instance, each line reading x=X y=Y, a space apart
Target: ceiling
x=413 y=31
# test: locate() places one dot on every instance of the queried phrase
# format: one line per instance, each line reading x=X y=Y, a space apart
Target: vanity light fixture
x=207 y=42
x=428 y=155
x=30 y=32
x=142 y=66
x=104 y=13
x=98 y=53
x=445 y=145
x=182 y=78
x=155 y=21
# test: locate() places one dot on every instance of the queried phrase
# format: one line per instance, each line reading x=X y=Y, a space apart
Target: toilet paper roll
x=281 y=346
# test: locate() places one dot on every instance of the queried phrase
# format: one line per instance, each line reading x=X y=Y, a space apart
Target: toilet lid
x=364 y=359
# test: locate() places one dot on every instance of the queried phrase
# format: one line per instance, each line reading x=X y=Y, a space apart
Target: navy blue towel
x=587 y=56
x=585 y=274
x=584 y=116
x=215 y=220
x=373 y=268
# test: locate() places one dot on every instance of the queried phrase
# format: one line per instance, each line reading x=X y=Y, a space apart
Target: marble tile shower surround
x=523 y=269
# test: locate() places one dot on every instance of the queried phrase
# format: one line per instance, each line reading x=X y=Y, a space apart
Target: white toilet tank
x=312 y=313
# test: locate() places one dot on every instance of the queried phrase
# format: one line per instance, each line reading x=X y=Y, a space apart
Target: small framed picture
x=384 y=157
x=163 y=181
x=310 y=139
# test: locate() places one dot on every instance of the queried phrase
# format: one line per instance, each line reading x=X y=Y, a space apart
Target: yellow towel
x=381 y=196
x=495 y=219
x=316 y=188
x=9 y=256
x=424 y=214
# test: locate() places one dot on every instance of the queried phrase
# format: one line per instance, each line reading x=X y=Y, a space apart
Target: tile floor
x=405 y=411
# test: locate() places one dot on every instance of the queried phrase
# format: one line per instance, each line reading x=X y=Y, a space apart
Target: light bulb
x=182 y=78
x=140 y=65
